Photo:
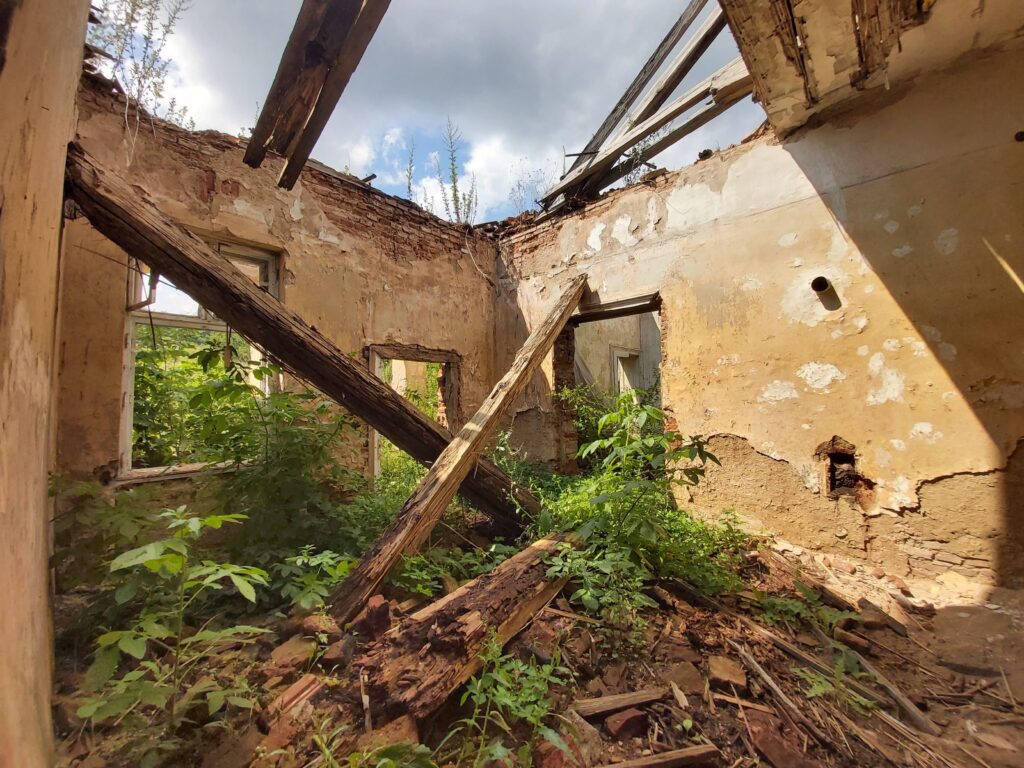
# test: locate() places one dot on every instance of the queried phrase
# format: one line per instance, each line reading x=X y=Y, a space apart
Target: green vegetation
x=835 y=686
x=173 y=585
x=507 y=694
x=168 y=671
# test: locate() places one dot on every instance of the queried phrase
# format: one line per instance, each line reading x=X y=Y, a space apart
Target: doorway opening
x=428 y=378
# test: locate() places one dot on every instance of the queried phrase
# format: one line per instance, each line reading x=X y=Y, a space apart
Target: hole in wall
x=842 y=478
x=826 y=293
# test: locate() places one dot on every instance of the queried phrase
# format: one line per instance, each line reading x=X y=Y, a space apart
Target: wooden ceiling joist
x=326 y=45
x=680 y=67
x=643 y=78
x=730 y=79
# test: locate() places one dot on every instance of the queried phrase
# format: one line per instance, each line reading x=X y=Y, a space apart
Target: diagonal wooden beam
x=352 y=52
x=725 y=78
x=640 y=82
x=435 y=492
x=722 y=101
x=326 y=45
x=125 y=216
x=680 y=67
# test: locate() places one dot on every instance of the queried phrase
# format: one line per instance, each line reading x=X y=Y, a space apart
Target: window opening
x=169 y=339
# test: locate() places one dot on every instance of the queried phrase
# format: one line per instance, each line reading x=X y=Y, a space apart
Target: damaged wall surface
x=361 y=266
x=910 y=207
x=40 y=61
x=809 y=56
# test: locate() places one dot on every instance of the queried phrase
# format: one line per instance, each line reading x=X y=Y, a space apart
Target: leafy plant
x=423 y=574
x=609 y=585
x=507 y=692
x=134 y=33
x=307 y=578
x=168 y=581
x=835 y=687
x=808 y=607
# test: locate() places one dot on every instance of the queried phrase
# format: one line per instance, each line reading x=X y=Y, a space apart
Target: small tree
x=459 y=206
x=134 y=33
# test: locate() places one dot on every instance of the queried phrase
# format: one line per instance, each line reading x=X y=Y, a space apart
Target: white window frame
x=136 y=292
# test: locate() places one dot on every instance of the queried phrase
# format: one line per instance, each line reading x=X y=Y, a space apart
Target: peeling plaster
x=777 y=391
x=594 y=238
x=820 y=376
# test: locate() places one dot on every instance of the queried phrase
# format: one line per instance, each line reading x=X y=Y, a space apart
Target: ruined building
x=837 y=303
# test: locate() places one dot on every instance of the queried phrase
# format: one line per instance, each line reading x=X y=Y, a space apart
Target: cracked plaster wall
x=911 y=207
x=361 y=266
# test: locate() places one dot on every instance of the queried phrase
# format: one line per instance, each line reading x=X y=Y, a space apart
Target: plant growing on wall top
x=134 y=34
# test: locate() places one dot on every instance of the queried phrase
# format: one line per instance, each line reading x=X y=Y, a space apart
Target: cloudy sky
x=524 y=80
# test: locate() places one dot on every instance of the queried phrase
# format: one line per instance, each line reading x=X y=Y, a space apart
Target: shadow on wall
x=934 y=206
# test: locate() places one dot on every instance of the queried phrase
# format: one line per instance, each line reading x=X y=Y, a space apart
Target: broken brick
x=686 y=676
x=294 y=652
x=626 y=724
x=374 y=620
x=400 y=729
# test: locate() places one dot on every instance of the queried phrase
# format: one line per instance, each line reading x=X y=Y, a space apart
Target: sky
x=524 y=80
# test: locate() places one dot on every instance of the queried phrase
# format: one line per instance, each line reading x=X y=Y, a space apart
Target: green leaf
x=138 y=556
x=244 y=587
x=103 y=666
x=133 y=646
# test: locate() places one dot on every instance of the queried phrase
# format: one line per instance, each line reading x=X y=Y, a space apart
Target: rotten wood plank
x=130 y=220
x=680 y=67
x=603 y=704
x=647 y=72
x=338 y=76
x=704 y=754
x=414 y=668
x=424 y=508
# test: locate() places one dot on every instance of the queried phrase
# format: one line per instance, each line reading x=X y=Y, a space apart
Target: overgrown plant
x=834 y=686
x=306 y=579
x=508 y=693
x=459 y=205
x=134 y=33
x=166 y=677
x=807 y=607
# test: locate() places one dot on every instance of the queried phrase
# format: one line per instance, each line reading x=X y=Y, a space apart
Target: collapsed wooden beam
x=424 y=508
x=326 y=45
x=125 y=216
x=721 y=102
x=680 y=67
x=640 y=82
x=351 y=54
x=415 y=668
x=730 y=78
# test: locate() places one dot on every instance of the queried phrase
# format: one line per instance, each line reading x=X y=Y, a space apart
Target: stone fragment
x=320 y=624
x=626 y=724
x=686 y=676
x=725 y=672
x=293 y=653
x=400 y=729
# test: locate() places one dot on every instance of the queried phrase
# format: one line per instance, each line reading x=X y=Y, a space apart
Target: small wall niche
x=841 y=477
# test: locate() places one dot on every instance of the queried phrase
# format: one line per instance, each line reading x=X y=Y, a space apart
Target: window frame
x=269 y=262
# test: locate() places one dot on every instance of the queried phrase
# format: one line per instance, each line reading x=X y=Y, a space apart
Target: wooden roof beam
x=641 y=81
x=326 y=45
x=728 y=76
x=680 y=67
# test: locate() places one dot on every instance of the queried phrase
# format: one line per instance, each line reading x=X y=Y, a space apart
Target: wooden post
x=427 y=503
x=130 y=220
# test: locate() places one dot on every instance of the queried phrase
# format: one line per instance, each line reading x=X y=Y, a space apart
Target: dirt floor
x=726 y=680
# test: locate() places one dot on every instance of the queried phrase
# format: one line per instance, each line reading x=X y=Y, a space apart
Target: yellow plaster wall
x=360 y=266
x=911 y=206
